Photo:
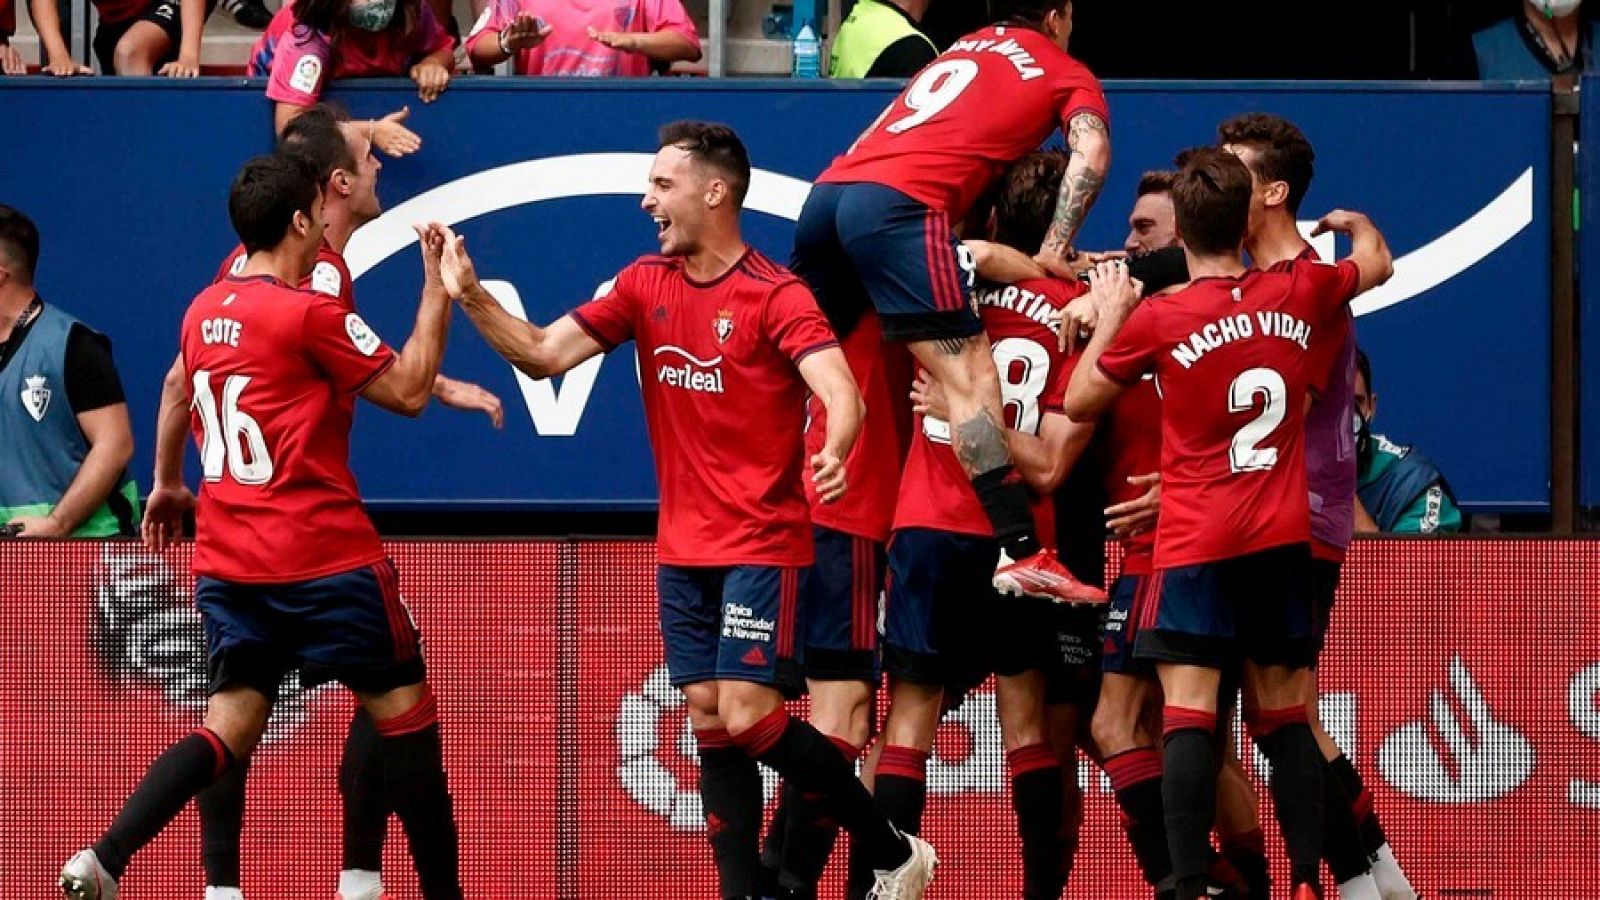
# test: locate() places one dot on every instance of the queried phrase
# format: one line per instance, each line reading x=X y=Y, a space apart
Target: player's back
x=270 y=371
x=1232 y=357
x=988 y=101
x=1128 y=444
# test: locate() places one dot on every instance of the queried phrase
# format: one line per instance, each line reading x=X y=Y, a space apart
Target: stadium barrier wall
x=544 y=178
x=1588 y=183
x=1463 y=676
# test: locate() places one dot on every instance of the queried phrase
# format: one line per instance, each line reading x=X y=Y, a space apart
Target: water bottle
x=807 y=52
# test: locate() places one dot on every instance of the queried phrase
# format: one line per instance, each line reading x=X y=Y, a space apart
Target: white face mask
x=1555 y=9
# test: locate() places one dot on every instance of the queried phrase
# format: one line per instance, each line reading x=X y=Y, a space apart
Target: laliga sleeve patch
x=325 y=279
x=364 y=338
x=307 y=74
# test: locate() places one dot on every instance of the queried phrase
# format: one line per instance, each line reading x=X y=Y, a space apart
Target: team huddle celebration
x=859 y=442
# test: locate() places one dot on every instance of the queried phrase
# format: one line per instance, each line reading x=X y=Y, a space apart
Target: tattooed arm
x=1090 y=144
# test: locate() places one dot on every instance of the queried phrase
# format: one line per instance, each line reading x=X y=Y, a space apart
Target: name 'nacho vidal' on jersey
x=1232 y=359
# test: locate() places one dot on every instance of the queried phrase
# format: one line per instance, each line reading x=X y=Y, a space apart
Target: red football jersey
x=724 y=402
x=330 y=276
x=985 y=103
x=935 y=491
x=270 y=369
x=872 y=470
x=1129 y=440
x=1232 y=359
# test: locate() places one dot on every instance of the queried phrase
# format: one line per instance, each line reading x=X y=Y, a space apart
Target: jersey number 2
x=233 y=438
x=936 y=88
x=1245 y=454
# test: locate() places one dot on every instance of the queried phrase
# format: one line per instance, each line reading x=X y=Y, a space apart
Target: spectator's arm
x=903 y=58
x=1090 y=146
x=110 y=437
x=11 y=62
x=432 y=73
x=1433 y=512
x=192 y=19
x=57 y=55
x=661 y=46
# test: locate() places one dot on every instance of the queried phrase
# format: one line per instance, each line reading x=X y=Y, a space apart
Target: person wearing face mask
x=312 y=41
x=1546 y=40
x=1398 y=490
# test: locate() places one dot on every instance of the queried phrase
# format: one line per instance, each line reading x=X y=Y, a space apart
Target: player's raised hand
x=927 y=397
x=163 y=516
x=456 y=268
x=463 y=395
x=827 y=473
x=524 y=33
x=1139 y=514
x=1078 y=319
x=431 y=78
x=431 y=241
x=1343 y=221
x=390 y=134
x=1112 y=288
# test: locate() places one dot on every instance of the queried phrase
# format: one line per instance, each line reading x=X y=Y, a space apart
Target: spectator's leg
x=141 y=49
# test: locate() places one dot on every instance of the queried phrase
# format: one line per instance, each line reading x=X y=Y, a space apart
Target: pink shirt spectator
x=299 y=62
x=568 y=50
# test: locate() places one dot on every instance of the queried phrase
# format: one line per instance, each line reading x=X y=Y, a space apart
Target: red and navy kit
x=839 y=594
x=725 y=406
x=1128 y=440
x=994 y=97
x=330 y=275
x=1232 y=358
x=943 y=552
x=291 y=570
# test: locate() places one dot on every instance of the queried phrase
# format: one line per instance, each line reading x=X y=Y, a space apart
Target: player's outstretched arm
x=538 y=352
x=1115 y=295
x=828 y=376
x=1090 y=145
x=1368 y=249
x=406 y=386
x=1002 y=264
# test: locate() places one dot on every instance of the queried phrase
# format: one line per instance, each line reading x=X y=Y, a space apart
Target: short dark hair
x=316 y=135
x=715 y=145
x=1156 y=182
x=1211 y=201
x=1364 y=366
x=266 y=194
x=1027 y=13
x=1027 y=200
x=19 y=240
x=1282 y=151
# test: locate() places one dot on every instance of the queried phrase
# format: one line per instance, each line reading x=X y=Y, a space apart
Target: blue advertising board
x=128 y=182
x=1588 y=182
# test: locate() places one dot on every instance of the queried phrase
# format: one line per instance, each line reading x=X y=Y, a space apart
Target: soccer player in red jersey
x=729 y=341
x=840 y=595
x=341 y=152
x=942 y=623
x=1231 y=355
x=878 y=230
x=1281 y=163
x=291 y=571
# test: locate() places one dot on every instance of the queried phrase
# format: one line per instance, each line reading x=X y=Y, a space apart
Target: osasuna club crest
x=723 y=324
x=36 y=397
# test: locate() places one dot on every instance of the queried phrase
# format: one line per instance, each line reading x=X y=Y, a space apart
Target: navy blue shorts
x=839 y=598
x=1324 y=588
x=1129 y=597
x=940 y=588
x=351 y=627
x=1255 y=608
x=733 y=623
x=865 y=244
x=1058 y=639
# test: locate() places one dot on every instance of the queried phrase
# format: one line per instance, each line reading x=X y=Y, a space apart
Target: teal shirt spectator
x=1403 y=491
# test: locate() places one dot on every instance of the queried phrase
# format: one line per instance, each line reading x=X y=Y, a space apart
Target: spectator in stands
x=65 y=420
x=628 y=38
x=134 y=37
x=880 y=39
x=1398 y=490
x=312 y=41
x=251 y=14
x=10 y=60
x=1546 y=40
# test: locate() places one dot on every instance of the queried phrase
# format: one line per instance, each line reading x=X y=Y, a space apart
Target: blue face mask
x=372 y=15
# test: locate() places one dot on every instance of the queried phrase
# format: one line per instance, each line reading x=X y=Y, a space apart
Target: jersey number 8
x=1024 y=370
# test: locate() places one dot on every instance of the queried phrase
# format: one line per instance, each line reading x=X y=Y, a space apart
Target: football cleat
x=1042 y=575
x=1304 y=891
x=83 y=878
x=911 y=879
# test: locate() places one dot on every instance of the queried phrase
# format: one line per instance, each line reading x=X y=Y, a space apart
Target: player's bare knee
x=1113 y=726
x=842 y=709
x=701 y=701
x=237 y=716
x=740 y=705
x=396 y=702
